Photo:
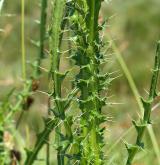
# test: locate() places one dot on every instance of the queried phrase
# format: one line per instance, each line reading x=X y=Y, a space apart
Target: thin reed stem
x=23 y=39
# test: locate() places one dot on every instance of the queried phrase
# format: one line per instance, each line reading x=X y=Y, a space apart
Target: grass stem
x=23 y=39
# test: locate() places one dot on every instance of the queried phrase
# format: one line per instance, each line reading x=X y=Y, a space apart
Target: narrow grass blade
x=23 y=40
x=1 y=5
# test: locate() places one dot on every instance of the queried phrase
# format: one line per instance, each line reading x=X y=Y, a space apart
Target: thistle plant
x=90 y=81
x=78 y=139
x=63 y=140
x=147 y=105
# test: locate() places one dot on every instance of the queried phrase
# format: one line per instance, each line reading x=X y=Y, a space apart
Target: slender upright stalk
x=147 y=104
x=92 y=27
x=48 y=140
x=36 y=72
x=41 y=56
x=43 y=21
x=58 y=11
x=61 y=9
x=23 y=40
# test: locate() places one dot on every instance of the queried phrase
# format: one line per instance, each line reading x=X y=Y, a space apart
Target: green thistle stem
x=132 y=150
x=88 y=59
x=93 y=33
x=55 y=61
x=43 y=21
x=41 y=140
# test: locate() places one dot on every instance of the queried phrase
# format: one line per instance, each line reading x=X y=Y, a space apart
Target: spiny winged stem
x=63 y=141
x=43 y=21
x=56 y=75
x=90 y=81
x=147 y=105
x=61 y=104
x=51 y=123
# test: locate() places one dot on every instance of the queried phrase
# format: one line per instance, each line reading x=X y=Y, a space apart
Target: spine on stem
x=63 y=140
x=50 y=123
x=57 y=77
x=59 y=119
x=43 y=22
x=147 y=105
x=90 y=81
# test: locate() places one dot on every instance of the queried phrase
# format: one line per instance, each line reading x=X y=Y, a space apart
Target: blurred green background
x=135 y=27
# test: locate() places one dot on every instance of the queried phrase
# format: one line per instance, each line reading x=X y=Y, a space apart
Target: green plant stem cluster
x=147 y=105
x=82 y=142
x=59 y=120
x=86 y=146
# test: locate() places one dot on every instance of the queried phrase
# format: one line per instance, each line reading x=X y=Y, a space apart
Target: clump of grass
x=147 y=105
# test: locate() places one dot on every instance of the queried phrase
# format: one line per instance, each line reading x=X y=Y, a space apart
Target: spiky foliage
x=63 y=140
x=83 y=145
x=89 y=81
x=147 y=105
x=49 y=124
